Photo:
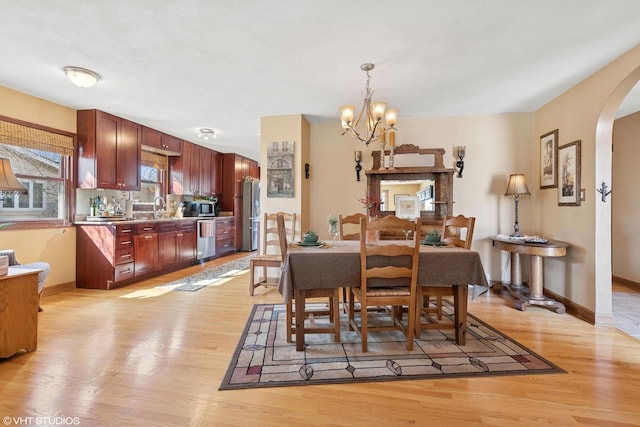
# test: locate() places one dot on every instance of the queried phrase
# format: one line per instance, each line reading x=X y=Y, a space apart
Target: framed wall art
x=280 y=163
x=569 y=174
x=407 y=207
x=549 y=160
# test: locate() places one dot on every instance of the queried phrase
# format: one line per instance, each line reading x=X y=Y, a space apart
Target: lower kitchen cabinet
x=104 y=256
x=145 y=249
x=176 y=244
x=110 y=255
x=225 y=235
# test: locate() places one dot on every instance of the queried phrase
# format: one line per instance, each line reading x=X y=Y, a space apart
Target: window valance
x=37 y=139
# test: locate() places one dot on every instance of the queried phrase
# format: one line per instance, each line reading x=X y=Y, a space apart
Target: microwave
x=197 y=209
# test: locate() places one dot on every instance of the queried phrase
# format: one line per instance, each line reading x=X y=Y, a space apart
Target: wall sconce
x=306 y=170
x=358 y=157
x=460 y=163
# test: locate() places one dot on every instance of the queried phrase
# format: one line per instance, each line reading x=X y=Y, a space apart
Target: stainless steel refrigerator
x=250 y=215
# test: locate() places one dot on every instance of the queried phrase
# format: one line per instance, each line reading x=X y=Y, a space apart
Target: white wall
x=497 y=145
x=625 y=207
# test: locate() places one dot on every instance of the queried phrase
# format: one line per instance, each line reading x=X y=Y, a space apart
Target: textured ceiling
x=179 y=65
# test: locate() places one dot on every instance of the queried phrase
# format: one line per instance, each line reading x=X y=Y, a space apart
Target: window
x=153 y=171
x=41 y=160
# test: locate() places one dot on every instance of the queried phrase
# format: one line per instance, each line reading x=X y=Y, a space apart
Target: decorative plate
x=311 y=244
x=424 y=242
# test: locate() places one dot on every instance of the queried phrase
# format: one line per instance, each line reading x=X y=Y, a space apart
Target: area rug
x=263 y=358
x=209 y=276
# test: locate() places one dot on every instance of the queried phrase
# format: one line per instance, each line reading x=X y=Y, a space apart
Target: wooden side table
x=534 y=295
x=18 y=311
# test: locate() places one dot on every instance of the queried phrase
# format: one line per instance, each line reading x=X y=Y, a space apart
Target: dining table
x=336 y=264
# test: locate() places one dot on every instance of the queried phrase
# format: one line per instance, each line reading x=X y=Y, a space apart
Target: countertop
x=140 y=221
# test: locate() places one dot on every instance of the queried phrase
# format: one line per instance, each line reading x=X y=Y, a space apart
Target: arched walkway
x=603 y=156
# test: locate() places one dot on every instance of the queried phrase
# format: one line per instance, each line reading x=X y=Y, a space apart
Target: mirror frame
x=441 y=176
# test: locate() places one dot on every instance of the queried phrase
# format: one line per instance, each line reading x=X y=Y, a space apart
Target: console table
x=18 y=311
x=534 y=295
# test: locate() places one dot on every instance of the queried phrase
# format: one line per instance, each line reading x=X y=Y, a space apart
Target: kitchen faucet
x=162 y=203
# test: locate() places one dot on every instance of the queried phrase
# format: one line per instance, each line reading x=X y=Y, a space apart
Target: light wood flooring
x=141 y=357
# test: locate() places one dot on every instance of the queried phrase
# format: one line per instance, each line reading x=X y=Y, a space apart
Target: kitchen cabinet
x=176 y=244
x=225 y=235
x=145 y=249
x=156 y=141
x=109 y=151
x=104 y=255
x=111 y=255
x=197 y=172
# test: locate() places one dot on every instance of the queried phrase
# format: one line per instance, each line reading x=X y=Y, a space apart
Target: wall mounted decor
x=569 y=174
x=280 y=163
x=549 y=160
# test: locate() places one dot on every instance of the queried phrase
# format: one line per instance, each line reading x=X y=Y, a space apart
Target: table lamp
x=516 y=187
x=9 y=184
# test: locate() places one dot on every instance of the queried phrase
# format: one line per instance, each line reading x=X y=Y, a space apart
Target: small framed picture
x=549 y=160
x=407 y=207
x=569 y=174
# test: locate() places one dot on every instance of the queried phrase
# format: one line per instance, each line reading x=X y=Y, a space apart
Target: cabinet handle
x=126 y=230
x=147 y=228
x=148 y=236
x=125 y=256
x=125 y=242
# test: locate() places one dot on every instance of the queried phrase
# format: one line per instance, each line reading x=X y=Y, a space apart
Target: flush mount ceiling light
x=207 y=134
x=372 y=112
x=81 y=77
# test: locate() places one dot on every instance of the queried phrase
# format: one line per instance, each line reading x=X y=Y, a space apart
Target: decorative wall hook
x=603 y=190
x=460 y=163
x=358 y=157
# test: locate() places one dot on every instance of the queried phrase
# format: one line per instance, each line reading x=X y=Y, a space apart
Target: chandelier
x=372 y=113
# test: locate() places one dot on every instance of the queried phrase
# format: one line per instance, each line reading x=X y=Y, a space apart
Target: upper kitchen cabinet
x=109 y=151
x=234 y=169
x=197 y=172
x=158 y=142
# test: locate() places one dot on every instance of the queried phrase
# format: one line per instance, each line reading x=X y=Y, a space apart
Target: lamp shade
x=8 y=181
x=517 y=186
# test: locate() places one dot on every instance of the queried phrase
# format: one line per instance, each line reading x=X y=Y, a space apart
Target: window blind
x=37 y=139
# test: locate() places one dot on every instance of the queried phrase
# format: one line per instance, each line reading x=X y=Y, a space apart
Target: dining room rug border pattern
x=263 y=358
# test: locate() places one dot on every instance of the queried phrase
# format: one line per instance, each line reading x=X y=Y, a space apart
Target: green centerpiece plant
x=310 y=236
x=433 y=236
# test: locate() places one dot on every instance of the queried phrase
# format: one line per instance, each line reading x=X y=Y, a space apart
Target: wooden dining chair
x=269 y=256
x=456 y=231
x=388 y=277
x=349 y=223
x=354 y=221
x=332 y=294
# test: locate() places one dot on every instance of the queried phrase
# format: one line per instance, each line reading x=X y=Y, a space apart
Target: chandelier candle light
x=372 y=112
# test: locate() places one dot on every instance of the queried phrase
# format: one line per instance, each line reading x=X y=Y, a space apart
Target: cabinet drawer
x=124 y=272
x=124 y=255
x=145 y=228
x=187 y=225
x=124 y=230
x=225 y=222
x=124 y=242
x=168 y=226
x=224 y=245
